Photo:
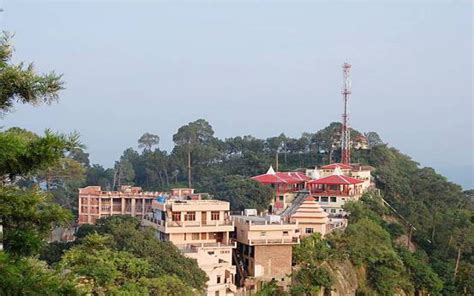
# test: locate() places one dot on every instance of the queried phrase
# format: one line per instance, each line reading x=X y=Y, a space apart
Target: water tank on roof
x=273 y=218
x=250 y=212
x=161 y=199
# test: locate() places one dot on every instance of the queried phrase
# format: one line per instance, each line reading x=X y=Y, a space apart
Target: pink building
x=95 y=203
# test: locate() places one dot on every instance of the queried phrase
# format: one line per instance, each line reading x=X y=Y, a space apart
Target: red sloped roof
x=336 y=180
x=282 y=178
x=293 y=177
x=333 y=166
x=269 y=179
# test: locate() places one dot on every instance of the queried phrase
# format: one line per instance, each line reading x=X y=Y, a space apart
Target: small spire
x=315 y=174
x=271 y=171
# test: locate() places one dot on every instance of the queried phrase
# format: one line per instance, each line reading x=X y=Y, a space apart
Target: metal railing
x=291 y=240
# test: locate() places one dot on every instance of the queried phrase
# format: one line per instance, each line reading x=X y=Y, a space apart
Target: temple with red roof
x=331 y=185
x=285 y=184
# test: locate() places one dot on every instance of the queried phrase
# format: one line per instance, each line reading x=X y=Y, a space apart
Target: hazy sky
x=253 y=67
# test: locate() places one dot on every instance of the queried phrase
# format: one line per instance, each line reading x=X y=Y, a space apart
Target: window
x=343 y=199
x=218 y=280
x=309 y=230
x=316 y=198
x=216 y=293
x=333 y=210
x=282 y=198
x=215 y=215
x=211 y=253
x=190 y=216
x=333 y=199
x=285 y=233
x=324 y=199
x=195 y=236
x=203 y=235
x=263 y=233
x=176 y=216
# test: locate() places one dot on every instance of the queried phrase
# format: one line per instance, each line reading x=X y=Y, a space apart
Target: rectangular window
x=285 y=233
x=308 y=230
x=333 y=199
x=324 y=199
x=215 y=215
x=218 y=280
x=176 y=216
x=333 y=210
x=195 y=236
x=203 y=235
x=190 y=216
x=263 y=233
x=316 y=198
x=282 y=198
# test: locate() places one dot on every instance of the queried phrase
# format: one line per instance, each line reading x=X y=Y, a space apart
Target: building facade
x=95 y=203
x=264 y=250
x=201 y=230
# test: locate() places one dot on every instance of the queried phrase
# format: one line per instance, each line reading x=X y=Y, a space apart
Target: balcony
x=193 y=248
x=169 y=226
x=282 y=241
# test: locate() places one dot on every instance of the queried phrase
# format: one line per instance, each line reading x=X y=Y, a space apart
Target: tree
x=311 y=276
x=29 y=276
x=28 y=216
x=66 y=169
x=243 y=193
x=147 y=141
x=97 y=175
x=22 y=84
x=195 y=139
x=125 y=234
x=374 y=139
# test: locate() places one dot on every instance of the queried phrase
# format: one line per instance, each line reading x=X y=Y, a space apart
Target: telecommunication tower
x=345 y=133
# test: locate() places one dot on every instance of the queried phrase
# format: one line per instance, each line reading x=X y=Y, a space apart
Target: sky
x=253 y=67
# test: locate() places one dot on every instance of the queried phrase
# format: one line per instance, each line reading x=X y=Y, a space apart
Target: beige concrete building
x=264 y=250
x=95 y=203
x=201 y=229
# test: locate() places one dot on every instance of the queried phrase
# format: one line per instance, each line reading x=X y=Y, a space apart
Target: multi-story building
x=264 y=250
x=95 y=203
x=201 y=230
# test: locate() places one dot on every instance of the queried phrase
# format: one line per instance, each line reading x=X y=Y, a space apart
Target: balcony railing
x=270 y=241
x=193 y=248
x=336 y=192
x=170 y=223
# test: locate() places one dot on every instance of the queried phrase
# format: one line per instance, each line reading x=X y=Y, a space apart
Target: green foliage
x=164 y=258
x=22 y=84
x=243 y=193
x=23 y=153
x=27 y=217
x=271 y=289
x=421 y=274
x=147 y=141
x=311 y=276
x=52 y=252
x=103 y=267
x=29 y=276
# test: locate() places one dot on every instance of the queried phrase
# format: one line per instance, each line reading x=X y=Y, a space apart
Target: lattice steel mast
x=345 y=133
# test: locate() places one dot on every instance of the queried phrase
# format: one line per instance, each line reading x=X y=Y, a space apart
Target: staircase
x=242 y=272
x=295 y=204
